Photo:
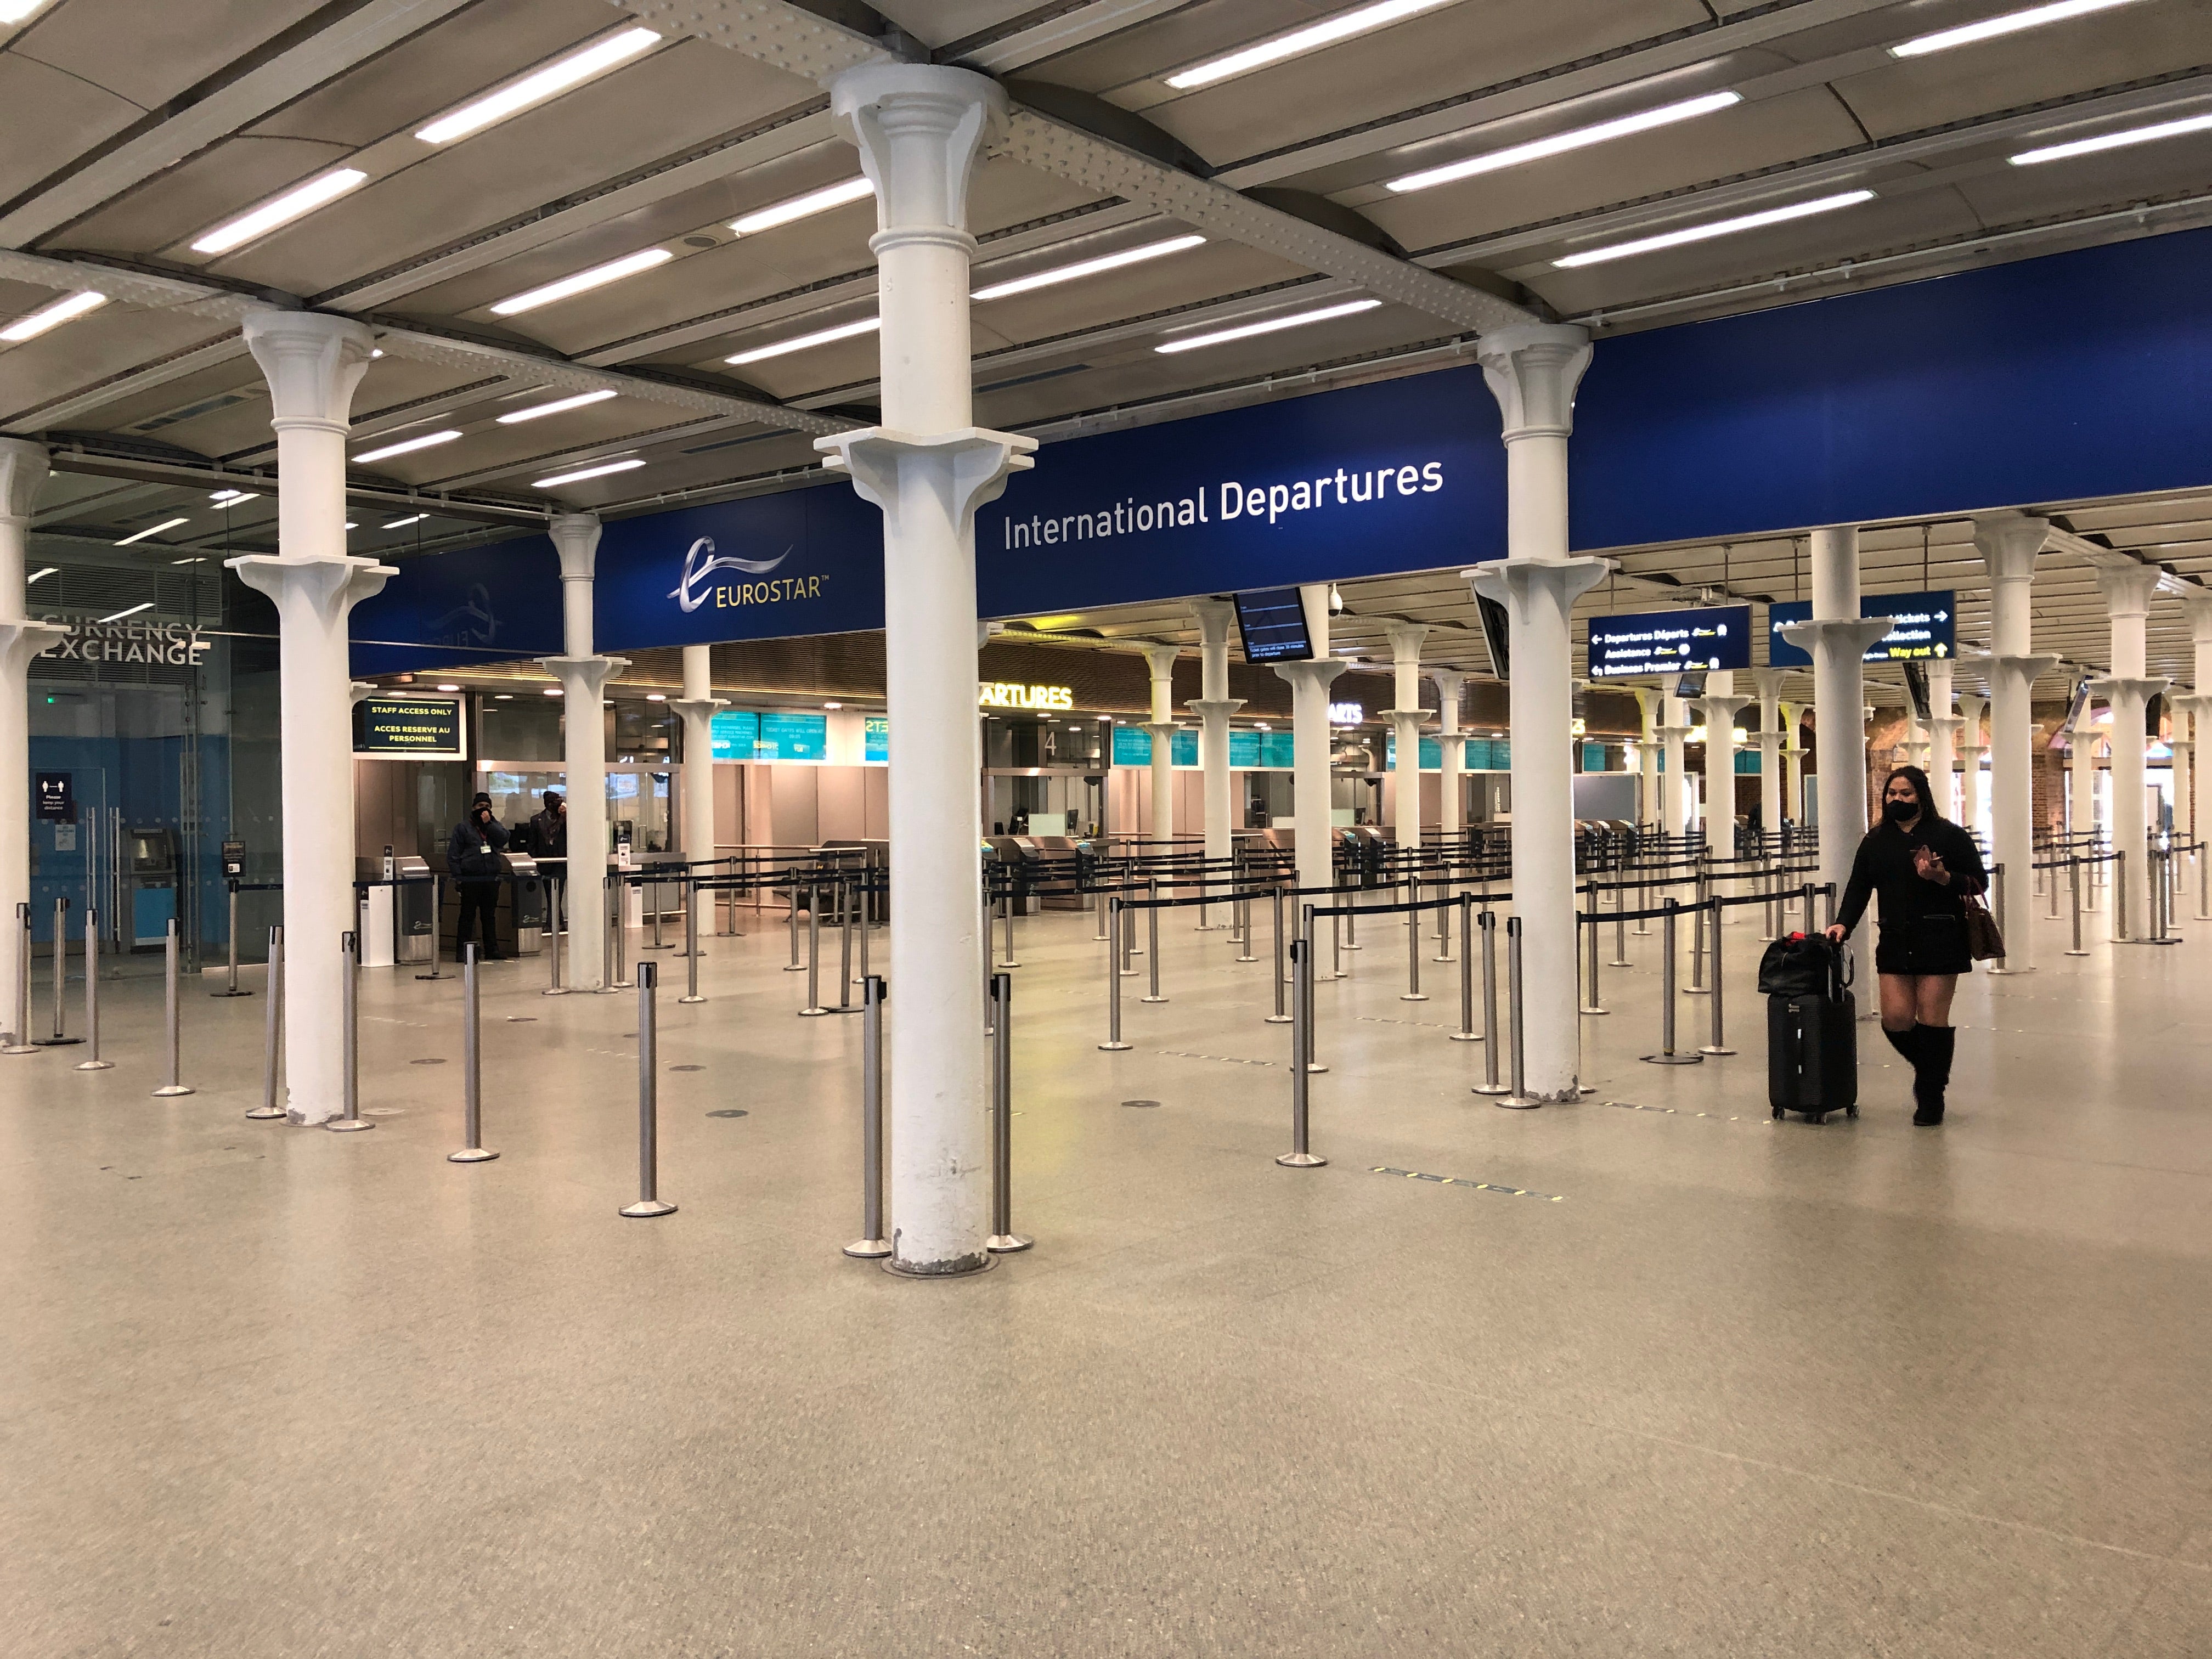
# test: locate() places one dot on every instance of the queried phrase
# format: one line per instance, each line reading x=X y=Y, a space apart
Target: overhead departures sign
x=1670 y=641
x=1924 y=628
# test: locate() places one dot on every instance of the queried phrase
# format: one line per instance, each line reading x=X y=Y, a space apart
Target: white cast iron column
x=1679 y=810
x=1718 y=708
x=919 y=129
x=1450 y=686
x=1213 y=706
x=1650 y=708
x=1768 y=682
x=1314 y=836
x=1793 y=760
x=2128 y=589
x=1405 y=717
x=1943 y=728
x=2198 y=606
x=2009 y=543
x=312 y=363
x=2081 y=767
x=23 y=468
x=1533 y=372
x=697 y=708
x=1161 y=660
x=1837 y=639
x=583 y=675
x=1971 y=750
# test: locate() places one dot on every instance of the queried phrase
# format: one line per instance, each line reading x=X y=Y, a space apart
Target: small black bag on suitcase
x=1812 y=1029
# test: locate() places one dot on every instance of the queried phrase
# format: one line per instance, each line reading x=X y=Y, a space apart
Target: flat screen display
x=1273 y=622
x=1667 y=641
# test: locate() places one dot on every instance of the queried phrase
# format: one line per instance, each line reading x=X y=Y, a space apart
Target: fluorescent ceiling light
x=40 y=575
x=1719 y=228
x=1560 y=143
x=429 y=440
x=1247 y=330
x=2028 y=158
x=1131 y=256
x=234 y=497
x=449 y=688
x=350 y=524
x=1326 y=32
x=558 y=406
x=802 y=207
x=1990 y=28
x=15 y=11
x=801 y=342
x=132 y=611
x=402 y=524
x=599 y=471
x=552 y=690
x=52 y=315
x=202 y=559
x=302 y=198
x=555 y=78
x=597 y=277
x=166 y=524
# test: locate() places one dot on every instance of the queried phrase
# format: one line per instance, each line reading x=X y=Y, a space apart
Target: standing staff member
x=1924 y=866
x=472 y=857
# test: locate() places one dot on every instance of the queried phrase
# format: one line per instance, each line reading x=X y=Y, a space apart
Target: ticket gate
x=414 y=911
x=521 y=920
x=149 y=887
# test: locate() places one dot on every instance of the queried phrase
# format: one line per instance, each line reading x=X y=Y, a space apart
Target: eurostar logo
x=702 y=561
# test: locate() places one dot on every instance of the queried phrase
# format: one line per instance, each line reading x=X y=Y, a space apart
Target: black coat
x=1922 y=922
x=472 y=853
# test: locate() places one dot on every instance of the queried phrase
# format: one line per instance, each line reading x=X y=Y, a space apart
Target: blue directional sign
x=1670 y=641
x=1924 y=628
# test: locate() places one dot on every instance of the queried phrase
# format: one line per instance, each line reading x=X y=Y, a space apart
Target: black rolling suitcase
x=1812 y=1029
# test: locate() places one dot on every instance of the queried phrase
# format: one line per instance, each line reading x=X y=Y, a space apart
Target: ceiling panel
x=150 y=50
x=70 y=116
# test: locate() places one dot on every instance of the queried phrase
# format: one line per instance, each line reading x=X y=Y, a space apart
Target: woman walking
x=1924 y=866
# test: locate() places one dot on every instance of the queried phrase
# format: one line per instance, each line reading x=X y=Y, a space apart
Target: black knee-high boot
x=1931 y=1072
x=1904 y=1042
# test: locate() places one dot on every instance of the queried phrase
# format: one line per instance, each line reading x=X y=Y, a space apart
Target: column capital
x=20 y=642
x=24 y=466
x=1160 y=660
x=2020 y=669
x=2126 y=692
x=1406 y=640
x=1215 y=709
x=332 y=587
x=576 y=539
x=1726 y=707
x=2009 y=543
x=356 y=689
x=699 y=709
x=919 y=128
x=583 y=676
x=312 y=361
x=2127 y=589
x=1533 y=372
x=1971 y=707
x=1768 y=683
x=1519 y=584
x=1319 y=674
x=1451 y=685
x=1852 y=634
x=1418 y=716
x=966 y=469
x=2196 y=605
x=1215 y=617
x=1951 y=723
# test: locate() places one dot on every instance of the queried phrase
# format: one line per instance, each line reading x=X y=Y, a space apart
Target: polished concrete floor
x=1647 y=1374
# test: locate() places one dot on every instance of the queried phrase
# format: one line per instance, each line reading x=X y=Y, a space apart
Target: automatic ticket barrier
x=521 y=922
x=150 y=886
x=1361 y=849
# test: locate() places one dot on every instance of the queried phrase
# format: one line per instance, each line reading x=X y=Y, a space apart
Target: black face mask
x=1900 y=811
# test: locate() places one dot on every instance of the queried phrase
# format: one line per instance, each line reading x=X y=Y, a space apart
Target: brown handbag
x=1984 y=942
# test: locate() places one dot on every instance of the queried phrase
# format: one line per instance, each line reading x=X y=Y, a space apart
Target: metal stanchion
x=867 y=910
x=1412 y=992
x=649 y=1201
x=350 y=1022
x=1696 y=987
x=691 y=948
x=845 y=1003
x=1004 y=1240
x=1519 y=1099
x=1590 y=1003
x=792 y=895
x=622 y=981
x=19 y=1041
x=2202 y=854
x=2073 y=883
x=610 y=913
x=555 y=892
x=1007 y=904
x=230 y=976
x=2049 y=881
x=471 y=1067
x=1280 y=1018
x=1621 y=926
x=60 y=1039
x=1114 y=972
x=1153 y=942
x=437 y=949
x=92 y=1061
x=1242 y=907
x=814 y=952
x=171 y=1085
x=1467 y=1033
x=1667 y=1056
x=1490 y=1085
x=871 y=1243
x=1301 y=1156
x=1717 y=1044
x=1305 y=989
x=272 y=1039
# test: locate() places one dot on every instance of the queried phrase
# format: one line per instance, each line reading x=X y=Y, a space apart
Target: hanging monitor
x=1495 y=634
x=1273 y=622
x=1704 y=639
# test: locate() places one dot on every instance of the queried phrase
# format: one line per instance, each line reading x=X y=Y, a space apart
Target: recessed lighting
x=132 y=611
x=1560 y=143
x=1990 y=28
x=558 y=406
x=833 y=705
x=1719 y=228
x=1310 y=39
x=449 y=688
x=552 y=690
x=802 y=207
x=597 y=277
x=234 y=497
x=40 y=575
x=1247 y=330
x=52 y=315
x=166 y=524
x=429 y=440
x=202 y=559
x=656 y=697
x=2028 y=158
x=502 y=696
x=402 y=524
x=801 y=342
x=301 y=198
x=1087 y=267
x=350 y=524
x=583 y=473
x=556 y=77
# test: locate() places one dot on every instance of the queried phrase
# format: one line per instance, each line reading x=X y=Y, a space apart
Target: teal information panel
x=1133 y=746
x=1184 y=750
x=1275 y=750
x=876 y=738
x=1244 y=750
x=793 y=737
x=734 y=732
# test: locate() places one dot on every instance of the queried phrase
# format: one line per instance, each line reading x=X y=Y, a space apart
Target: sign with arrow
x=1924 y=628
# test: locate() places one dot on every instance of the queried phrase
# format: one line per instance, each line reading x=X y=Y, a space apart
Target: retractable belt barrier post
x=1667 y=943
x=814 y=951
x=92 y=1061
x=691 y=946
x=1153 y=941
x=1590 y=1003
x=611 y=911
x=437 y=949
x=2073 y=885
x=792 y=895
x=1490 y=1085
x=1242 y=937
x=555 y=891
x=230 y=975
x=60 y=1038
x=19 y=1040
x=1519 y=1099
x=622 y=981
x=1304 y=991
x=172 y=1085
x=871 y=1243
x=471 y=1067
x=649 y=1201
x=1301 y=1156
x=1114 y=972
x=1412 y=992
x=1004 y=1240
x=272 y=1041
x=349 y=1012
x=1621 y=926
x=1467 y=1033
x=1282 y=966
x=1717 y=1044
x=1697 y=987
x=1009 y=960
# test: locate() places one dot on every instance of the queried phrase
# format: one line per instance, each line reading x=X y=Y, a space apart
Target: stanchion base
x=18 y=1048
x=1491 y=1089
x=1301 y=1161
x=95 y=1066
x=471 y=1155
x=267 y=1113
x=230 y=994
x=2001 y=972
x=2065 y=953
x=1316 y=1065
x=1009 y=964
x=556 y=991
x=1113 y=1047
x=346 y=1125
x=1715 y=1048
x=623 y=985
x=811 y=1013
x=685 y=1000
x=427 y=977
x=1513 y=1103
x=1243 y=958
x=1265 y=1019
x=1467 y=1036
x=1444 y=959
x=1673 y=1059
x=1413 y=996
x=645 y=1208
x=869 y=1250
x=1006 y=1243
x=69 y=1041
x=170 y=1089
x=794 y=968
x=1152 y=999
x=1697 y=990
x=1593 y=1011
x=657 y=947
x=1621 y=962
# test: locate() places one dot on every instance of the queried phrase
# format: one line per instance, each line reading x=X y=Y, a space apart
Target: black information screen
x=1666 y=641
x=1273 y=624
